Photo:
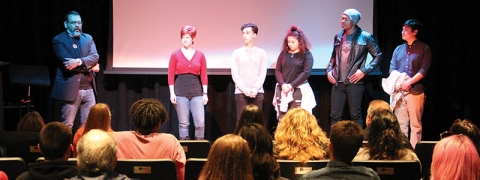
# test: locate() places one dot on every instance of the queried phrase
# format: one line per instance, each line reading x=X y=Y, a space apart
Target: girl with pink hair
x=455 y=158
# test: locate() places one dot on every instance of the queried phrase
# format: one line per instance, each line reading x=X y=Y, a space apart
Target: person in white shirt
x=249 y=70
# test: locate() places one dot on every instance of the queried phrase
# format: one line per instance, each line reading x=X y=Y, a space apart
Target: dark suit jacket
x=67 y=82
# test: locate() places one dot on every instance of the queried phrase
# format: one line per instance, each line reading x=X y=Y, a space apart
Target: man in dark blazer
x=74 y=84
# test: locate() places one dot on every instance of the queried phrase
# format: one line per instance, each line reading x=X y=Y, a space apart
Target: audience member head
x=229 y=158
x=468 y=128
x=264 y=164
x=99 y=117
x=346 y=138
x=31 y=121
x=55 y=141
x=250 y=114
x=385 y=140
x=97 y=152
x=374 y=107
x=147 y=115
x=3 y=176
x=296 y=34
x=299 y=137
x=455 y=157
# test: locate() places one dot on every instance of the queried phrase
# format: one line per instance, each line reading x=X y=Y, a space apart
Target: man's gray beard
x=76 y=33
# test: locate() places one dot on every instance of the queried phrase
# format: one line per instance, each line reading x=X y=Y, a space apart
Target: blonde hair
x=299 y=137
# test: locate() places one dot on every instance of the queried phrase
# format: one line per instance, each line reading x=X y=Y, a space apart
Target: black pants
x=243 y=100
x=297 y=100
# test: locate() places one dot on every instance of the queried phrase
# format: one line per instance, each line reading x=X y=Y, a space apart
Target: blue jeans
x=195 y=105
x=85 y=100
x=351 y=93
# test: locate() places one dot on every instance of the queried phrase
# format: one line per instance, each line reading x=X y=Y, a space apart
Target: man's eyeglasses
x=445 y=134
x=75 y=22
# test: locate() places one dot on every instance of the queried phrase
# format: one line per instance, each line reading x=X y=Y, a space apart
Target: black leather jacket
x=362 y=43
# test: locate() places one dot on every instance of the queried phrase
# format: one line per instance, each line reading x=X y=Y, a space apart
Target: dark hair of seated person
x=250 y=114
x=55 y=141
x=264 y=163
x=386 y=141
x=31 y=121
x=468 y=128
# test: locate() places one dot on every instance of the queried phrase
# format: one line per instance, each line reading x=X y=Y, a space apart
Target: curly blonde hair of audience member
x=468 y=128
x=303 y=42
x=299 y=137
x=264 y=163
x=31 y=121
x=455 y=157
x=228 y=158
x=147 y=115
x=97 y=152
x=375 y=106
x=99 y=117
x=250 y=114
x=385 y=140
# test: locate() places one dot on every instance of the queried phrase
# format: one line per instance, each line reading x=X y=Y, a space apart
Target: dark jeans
x=243 y=100
x=351 y=93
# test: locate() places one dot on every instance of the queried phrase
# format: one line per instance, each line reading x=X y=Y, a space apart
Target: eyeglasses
x=445 y=134
x=75 y=22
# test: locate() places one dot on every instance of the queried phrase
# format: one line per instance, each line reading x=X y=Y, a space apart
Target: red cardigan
x=180 y=65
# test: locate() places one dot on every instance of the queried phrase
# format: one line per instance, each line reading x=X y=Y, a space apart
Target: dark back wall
x=27 y=27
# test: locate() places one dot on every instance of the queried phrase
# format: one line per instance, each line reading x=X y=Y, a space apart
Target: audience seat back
x=196 y=148
x=393 y=169
x=13 y=166
x=41 y=159
x=193 y=167
x=20 y=144
x=292 y=169
x=424 y=151
x=147 y=169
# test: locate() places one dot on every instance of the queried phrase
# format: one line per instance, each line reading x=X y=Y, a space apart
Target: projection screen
x=144 y=33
